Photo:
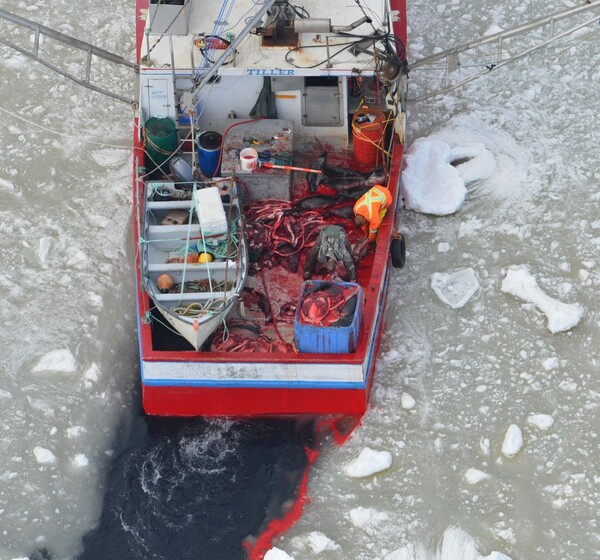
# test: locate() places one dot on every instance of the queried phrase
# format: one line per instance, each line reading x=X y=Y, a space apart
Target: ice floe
x=513 y=441
x=473 y=476
x=277 y=554
x=455 y=289
x=367 y=519
x=368 y=462
x=80 y=460
x=455 y=544
x=407 y=402
x=44 y=456
x=432 y=185
x=561 y=316
x=541 y=421
x=59 y=361
x=6 y=185
x=44 y=248
x=318 y=542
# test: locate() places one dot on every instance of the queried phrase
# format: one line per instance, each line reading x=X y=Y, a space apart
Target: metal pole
x=510 y=33
x=206 y=77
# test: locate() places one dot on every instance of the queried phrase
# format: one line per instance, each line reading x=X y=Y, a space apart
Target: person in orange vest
x=370 y=209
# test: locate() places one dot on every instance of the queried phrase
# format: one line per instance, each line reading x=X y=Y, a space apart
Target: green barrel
x=161 y=142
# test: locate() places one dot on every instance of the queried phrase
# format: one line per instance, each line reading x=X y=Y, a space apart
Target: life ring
x=398 y=251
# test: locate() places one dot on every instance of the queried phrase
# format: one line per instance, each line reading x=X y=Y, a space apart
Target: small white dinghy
x=194 y=256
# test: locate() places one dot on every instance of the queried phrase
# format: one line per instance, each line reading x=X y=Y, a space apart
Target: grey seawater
x=68 y=366
x=474 y=371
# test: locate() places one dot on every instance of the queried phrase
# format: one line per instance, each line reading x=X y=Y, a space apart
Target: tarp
x=265 y=104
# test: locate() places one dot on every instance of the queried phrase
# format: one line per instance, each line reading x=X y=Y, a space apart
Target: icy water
x=70 y=420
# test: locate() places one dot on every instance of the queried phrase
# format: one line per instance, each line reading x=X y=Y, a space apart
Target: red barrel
x=368 y=125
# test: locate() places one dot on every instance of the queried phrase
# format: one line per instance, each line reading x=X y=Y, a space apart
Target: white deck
x=250 y=53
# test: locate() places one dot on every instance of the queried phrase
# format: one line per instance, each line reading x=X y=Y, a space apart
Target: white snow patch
x=561 y=316
x=541 y=421
x=455 y=289
x=513 y=441
x=59 y=361
x=44 y=456
x=368 y=462
x=407 y=402
x=473 y=476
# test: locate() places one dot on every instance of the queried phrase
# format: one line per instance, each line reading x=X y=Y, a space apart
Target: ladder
x=450 y=60
x=92 y=52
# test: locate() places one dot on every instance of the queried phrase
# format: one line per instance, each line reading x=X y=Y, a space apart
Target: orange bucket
x=368 y=126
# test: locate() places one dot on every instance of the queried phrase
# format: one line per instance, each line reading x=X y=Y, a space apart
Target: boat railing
x=450 y=59
x=92 y=53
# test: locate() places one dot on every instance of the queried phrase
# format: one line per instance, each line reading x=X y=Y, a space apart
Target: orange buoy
x=164 y=282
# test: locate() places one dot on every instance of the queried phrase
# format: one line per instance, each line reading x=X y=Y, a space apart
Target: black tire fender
x=398 y=251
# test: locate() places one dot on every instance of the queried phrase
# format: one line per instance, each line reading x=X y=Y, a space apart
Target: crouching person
x=331 y=247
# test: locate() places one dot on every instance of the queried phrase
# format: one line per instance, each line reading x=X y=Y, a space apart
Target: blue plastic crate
x=331 y=339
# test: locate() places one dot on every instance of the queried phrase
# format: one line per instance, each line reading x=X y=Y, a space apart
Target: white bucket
x=248 y=159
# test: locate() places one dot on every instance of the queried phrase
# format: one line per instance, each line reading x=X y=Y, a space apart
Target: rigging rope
x=104 y=144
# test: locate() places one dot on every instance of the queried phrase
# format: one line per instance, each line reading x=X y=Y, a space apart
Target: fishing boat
x=260 y=124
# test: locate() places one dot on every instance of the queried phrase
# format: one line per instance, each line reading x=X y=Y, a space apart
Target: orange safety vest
x=372 y=206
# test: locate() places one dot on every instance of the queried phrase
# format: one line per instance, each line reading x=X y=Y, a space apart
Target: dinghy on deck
x=194 y=258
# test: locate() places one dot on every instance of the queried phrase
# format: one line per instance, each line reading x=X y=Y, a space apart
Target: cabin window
x=321 y=101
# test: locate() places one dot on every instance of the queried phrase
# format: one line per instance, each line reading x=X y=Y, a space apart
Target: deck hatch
x=321 y=106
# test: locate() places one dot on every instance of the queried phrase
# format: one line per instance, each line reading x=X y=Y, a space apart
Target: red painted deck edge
x=236 y=401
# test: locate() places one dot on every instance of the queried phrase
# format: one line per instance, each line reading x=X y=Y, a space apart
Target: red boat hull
x=188 y=383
